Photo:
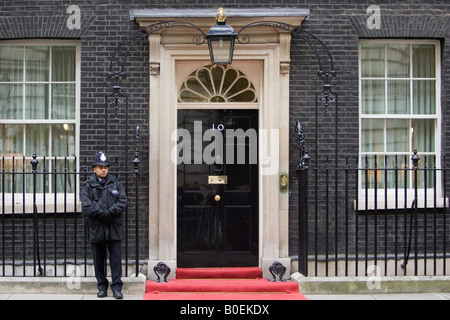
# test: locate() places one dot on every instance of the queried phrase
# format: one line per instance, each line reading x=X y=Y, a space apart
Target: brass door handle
x=217 y=198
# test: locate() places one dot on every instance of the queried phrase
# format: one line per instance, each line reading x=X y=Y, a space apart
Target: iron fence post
x=415 y=160
x=136 y=163
x=303 y=221
x=302 y=171
x=36 y=255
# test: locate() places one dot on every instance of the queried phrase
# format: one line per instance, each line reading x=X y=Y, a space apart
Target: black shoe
x=102 y=294
x=117 y=295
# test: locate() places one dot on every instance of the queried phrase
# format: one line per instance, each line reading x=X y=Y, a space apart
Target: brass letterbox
x=218 y=180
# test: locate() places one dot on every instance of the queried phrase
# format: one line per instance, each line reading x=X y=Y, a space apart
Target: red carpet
x=219 y=273
x=222 y=284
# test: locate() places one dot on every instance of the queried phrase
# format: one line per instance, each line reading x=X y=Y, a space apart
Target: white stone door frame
x=272 y=48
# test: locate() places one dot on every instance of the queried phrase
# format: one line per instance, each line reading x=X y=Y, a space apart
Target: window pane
x=399 y=97
x=11 y=141
x=425 y=97
x=373 y=60
x=204 y=80
x=424 y=61
x=11 y=64
x=217 y=75
x=397 y=135
x=425 y=178
x=373 y=97
x=63 y=101
x=37 y=63
x=11 y=101
x=63 y=140
x=37 y=139
x=63 y=63
x=374 y=176
x=241 y=91
x=36 y=101
x=372 y=135
x=397 y=178
x=424 y=135
x=399 y=58
x=12 y=183
x=64 y=183
x=188 y=94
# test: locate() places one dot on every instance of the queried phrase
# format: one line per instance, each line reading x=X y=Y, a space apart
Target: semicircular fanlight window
x=216 y=84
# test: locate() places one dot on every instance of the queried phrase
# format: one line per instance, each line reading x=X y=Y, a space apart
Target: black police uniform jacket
x=104 y=203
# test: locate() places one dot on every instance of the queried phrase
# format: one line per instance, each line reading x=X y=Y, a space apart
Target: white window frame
x=23 y=203
x=397 y=199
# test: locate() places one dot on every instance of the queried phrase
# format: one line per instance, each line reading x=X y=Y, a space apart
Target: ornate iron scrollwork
x=326 y=64
x=163 y=270
x=245 y=39
x=303 y=158
x=115 y=99
x=328 y=96
x=277 y=269
x=136 y=161
x=120 y=56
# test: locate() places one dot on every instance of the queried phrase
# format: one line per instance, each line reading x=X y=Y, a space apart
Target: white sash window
x=400 y=112
x=39 y=109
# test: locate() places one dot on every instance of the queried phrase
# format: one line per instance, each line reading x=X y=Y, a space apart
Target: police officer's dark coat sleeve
x=90 y=207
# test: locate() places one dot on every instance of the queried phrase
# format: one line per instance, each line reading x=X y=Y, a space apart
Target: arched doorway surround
x=167 y=51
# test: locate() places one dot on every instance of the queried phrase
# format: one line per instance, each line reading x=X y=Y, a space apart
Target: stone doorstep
x=313 y=285
x=69 y=285
x=372 y=285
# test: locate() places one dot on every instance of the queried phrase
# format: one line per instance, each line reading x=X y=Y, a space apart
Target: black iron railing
x=374 y=214
x=42 y=229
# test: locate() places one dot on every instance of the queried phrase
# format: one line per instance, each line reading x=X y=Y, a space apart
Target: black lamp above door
x=221 y=39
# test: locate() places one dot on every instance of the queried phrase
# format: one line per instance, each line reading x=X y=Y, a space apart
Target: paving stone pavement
x=384 y=296
x=312 y=297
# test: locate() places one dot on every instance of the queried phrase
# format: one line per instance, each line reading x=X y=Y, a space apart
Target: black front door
x=217 y=188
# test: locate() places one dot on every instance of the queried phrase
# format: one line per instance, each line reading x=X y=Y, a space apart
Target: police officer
x=104 y=202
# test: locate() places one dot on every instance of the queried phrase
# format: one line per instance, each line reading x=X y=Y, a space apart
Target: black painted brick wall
x=339 y=24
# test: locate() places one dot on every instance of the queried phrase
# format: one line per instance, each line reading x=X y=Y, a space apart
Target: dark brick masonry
x=339 y=24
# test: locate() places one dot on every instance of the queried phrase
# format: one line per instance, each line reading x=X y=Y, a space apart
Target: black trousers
x=115 y=260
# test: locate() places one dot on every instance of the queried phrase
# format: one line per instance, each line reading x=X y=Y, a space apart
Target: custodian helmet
x=101 y=160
